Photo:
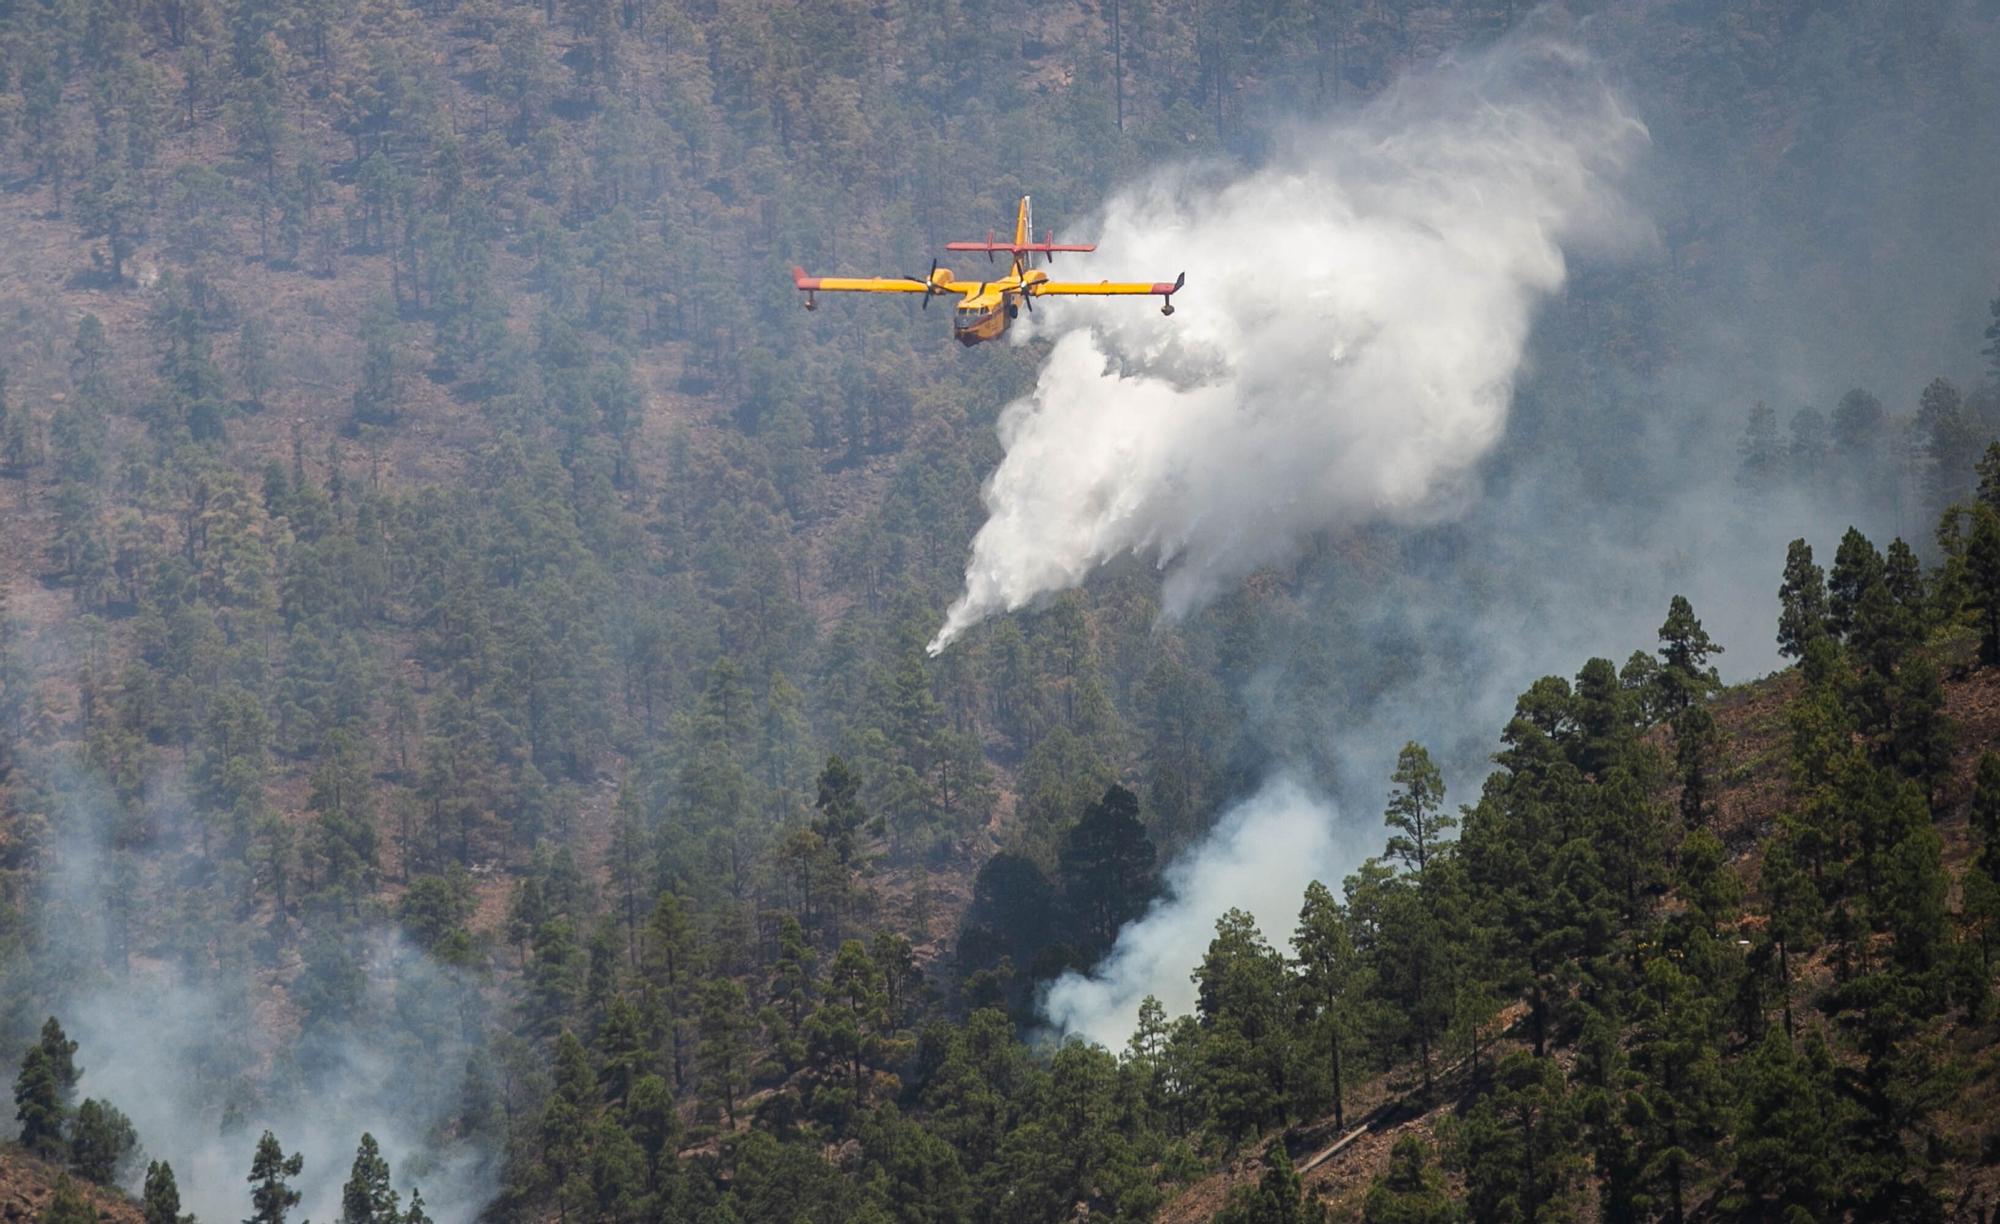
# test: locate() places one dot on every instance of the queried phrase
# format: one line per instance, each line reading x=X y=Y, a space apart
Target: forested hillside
x=462 y=671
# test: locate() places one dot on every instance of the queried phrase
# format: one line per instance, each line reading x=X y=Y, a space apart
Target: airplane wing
x=859 y=284
x=1159 y=288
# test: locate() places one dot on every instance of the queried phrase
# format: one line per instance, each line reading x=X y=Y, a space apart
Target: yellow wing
x=859 y=284
x=1159 y=288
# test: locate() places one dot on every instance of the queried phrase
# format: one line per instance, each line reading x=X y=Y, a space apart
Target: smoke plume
x=1439 y=220
x=1260 y=857
x=1354 y=320
x=177 y=1024
x=1357 y=316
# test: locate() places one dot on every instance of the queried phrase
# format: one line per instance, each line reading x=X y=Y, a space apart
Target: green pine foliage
x=271 y=1194
x=368 y=1198
x=102 y=1143
x=443 y=494
x=161 y=1197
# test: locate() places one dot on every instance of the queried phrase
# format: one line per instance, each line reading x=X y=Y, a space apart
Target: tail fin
x=1024 y=239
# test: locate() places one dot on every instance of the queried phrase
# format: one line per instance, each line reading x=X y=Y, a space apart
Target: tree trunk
x=1118 y=62
x=1785 y=984
x=1339 y=1112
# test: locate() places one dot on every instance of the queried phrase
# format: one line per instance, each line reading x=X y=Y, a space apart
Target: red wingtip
x=803 y=281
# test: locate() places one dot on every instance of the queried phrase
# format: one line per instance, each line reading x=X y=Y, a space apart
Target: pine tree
x=1240 y=1000
x=618 y=1171
x=845 y=1035
x=1787 y=1143
x=254 y=361
x=1696 y=743
x=38 y=1104
x=1856 y=567
x=102 y=1142
x=1685 y=676
x=271 y=1195
x=1760 y=456
x=567 y=1121
x=1982 y=571
x=1986 y=811
x=669 y=960
x=1106 y=867
x=1677 y=1102
x=651 y=1120
x=1947 y=436
x=1277 y=1198
x=1921 y=736
x=43 y=1090
x=722 y=1059
x=1988 y=469
x=1802 y=606
x=1412 y=964
x=377 y=401
x=1416 y=809
x=1409 y=1191
x=841 y=815
x=1519 y=1144
x=1904 y=576
x=162 y=1197
x=62 y=1057
x=368 y=1198
x=1857 y=433
x=1795 y=912
x=1979 y=910
x=1330 y=979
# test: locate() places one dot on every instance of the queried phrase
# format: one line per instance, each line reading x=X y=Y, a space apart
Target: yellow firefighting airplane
x=986 y=307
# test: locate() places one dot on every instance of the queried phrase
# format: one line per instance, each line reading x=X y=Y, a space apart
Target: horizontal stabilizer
x=1040 y=248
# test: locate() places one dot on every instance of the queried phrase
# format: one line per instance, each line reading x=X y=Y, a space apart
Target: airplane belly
x=989 y=326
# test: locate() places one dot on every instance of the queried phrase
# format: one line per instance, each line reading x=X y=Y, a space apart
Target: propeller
x=929 y=283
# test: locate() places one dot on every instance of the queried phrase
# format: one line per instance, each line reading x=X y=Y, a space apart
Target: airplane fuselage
x=987 y=312
x=987 y=321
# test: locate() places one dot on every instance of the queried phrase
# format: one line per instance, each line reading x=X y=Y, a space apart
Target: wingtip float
x=986 y=307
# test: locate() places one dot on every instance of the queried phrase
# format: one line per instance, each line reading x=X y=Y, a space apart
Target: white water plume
x=1346 y=347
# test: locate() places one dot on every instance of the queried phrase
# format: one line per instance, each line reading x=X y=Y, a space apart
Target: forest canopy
x=467 y=743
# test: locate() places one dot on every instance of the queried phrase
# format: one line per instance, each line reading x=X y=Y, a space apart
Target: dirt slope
x=26 y=1185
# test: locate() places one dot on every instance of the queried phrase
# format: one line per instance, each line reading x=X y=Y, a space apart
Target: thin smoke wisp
x=1354 y=320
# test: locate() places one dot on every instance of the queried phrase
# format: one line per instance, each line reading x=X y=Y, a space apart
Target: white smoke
x=171 y=1054
x=1259 y=858
x=1345 y=349
x=1355 y=319
x=203 y=1058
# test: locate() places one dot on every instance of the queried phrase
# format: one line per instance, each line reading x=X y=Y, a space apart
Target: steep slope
x=1338 y=1165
